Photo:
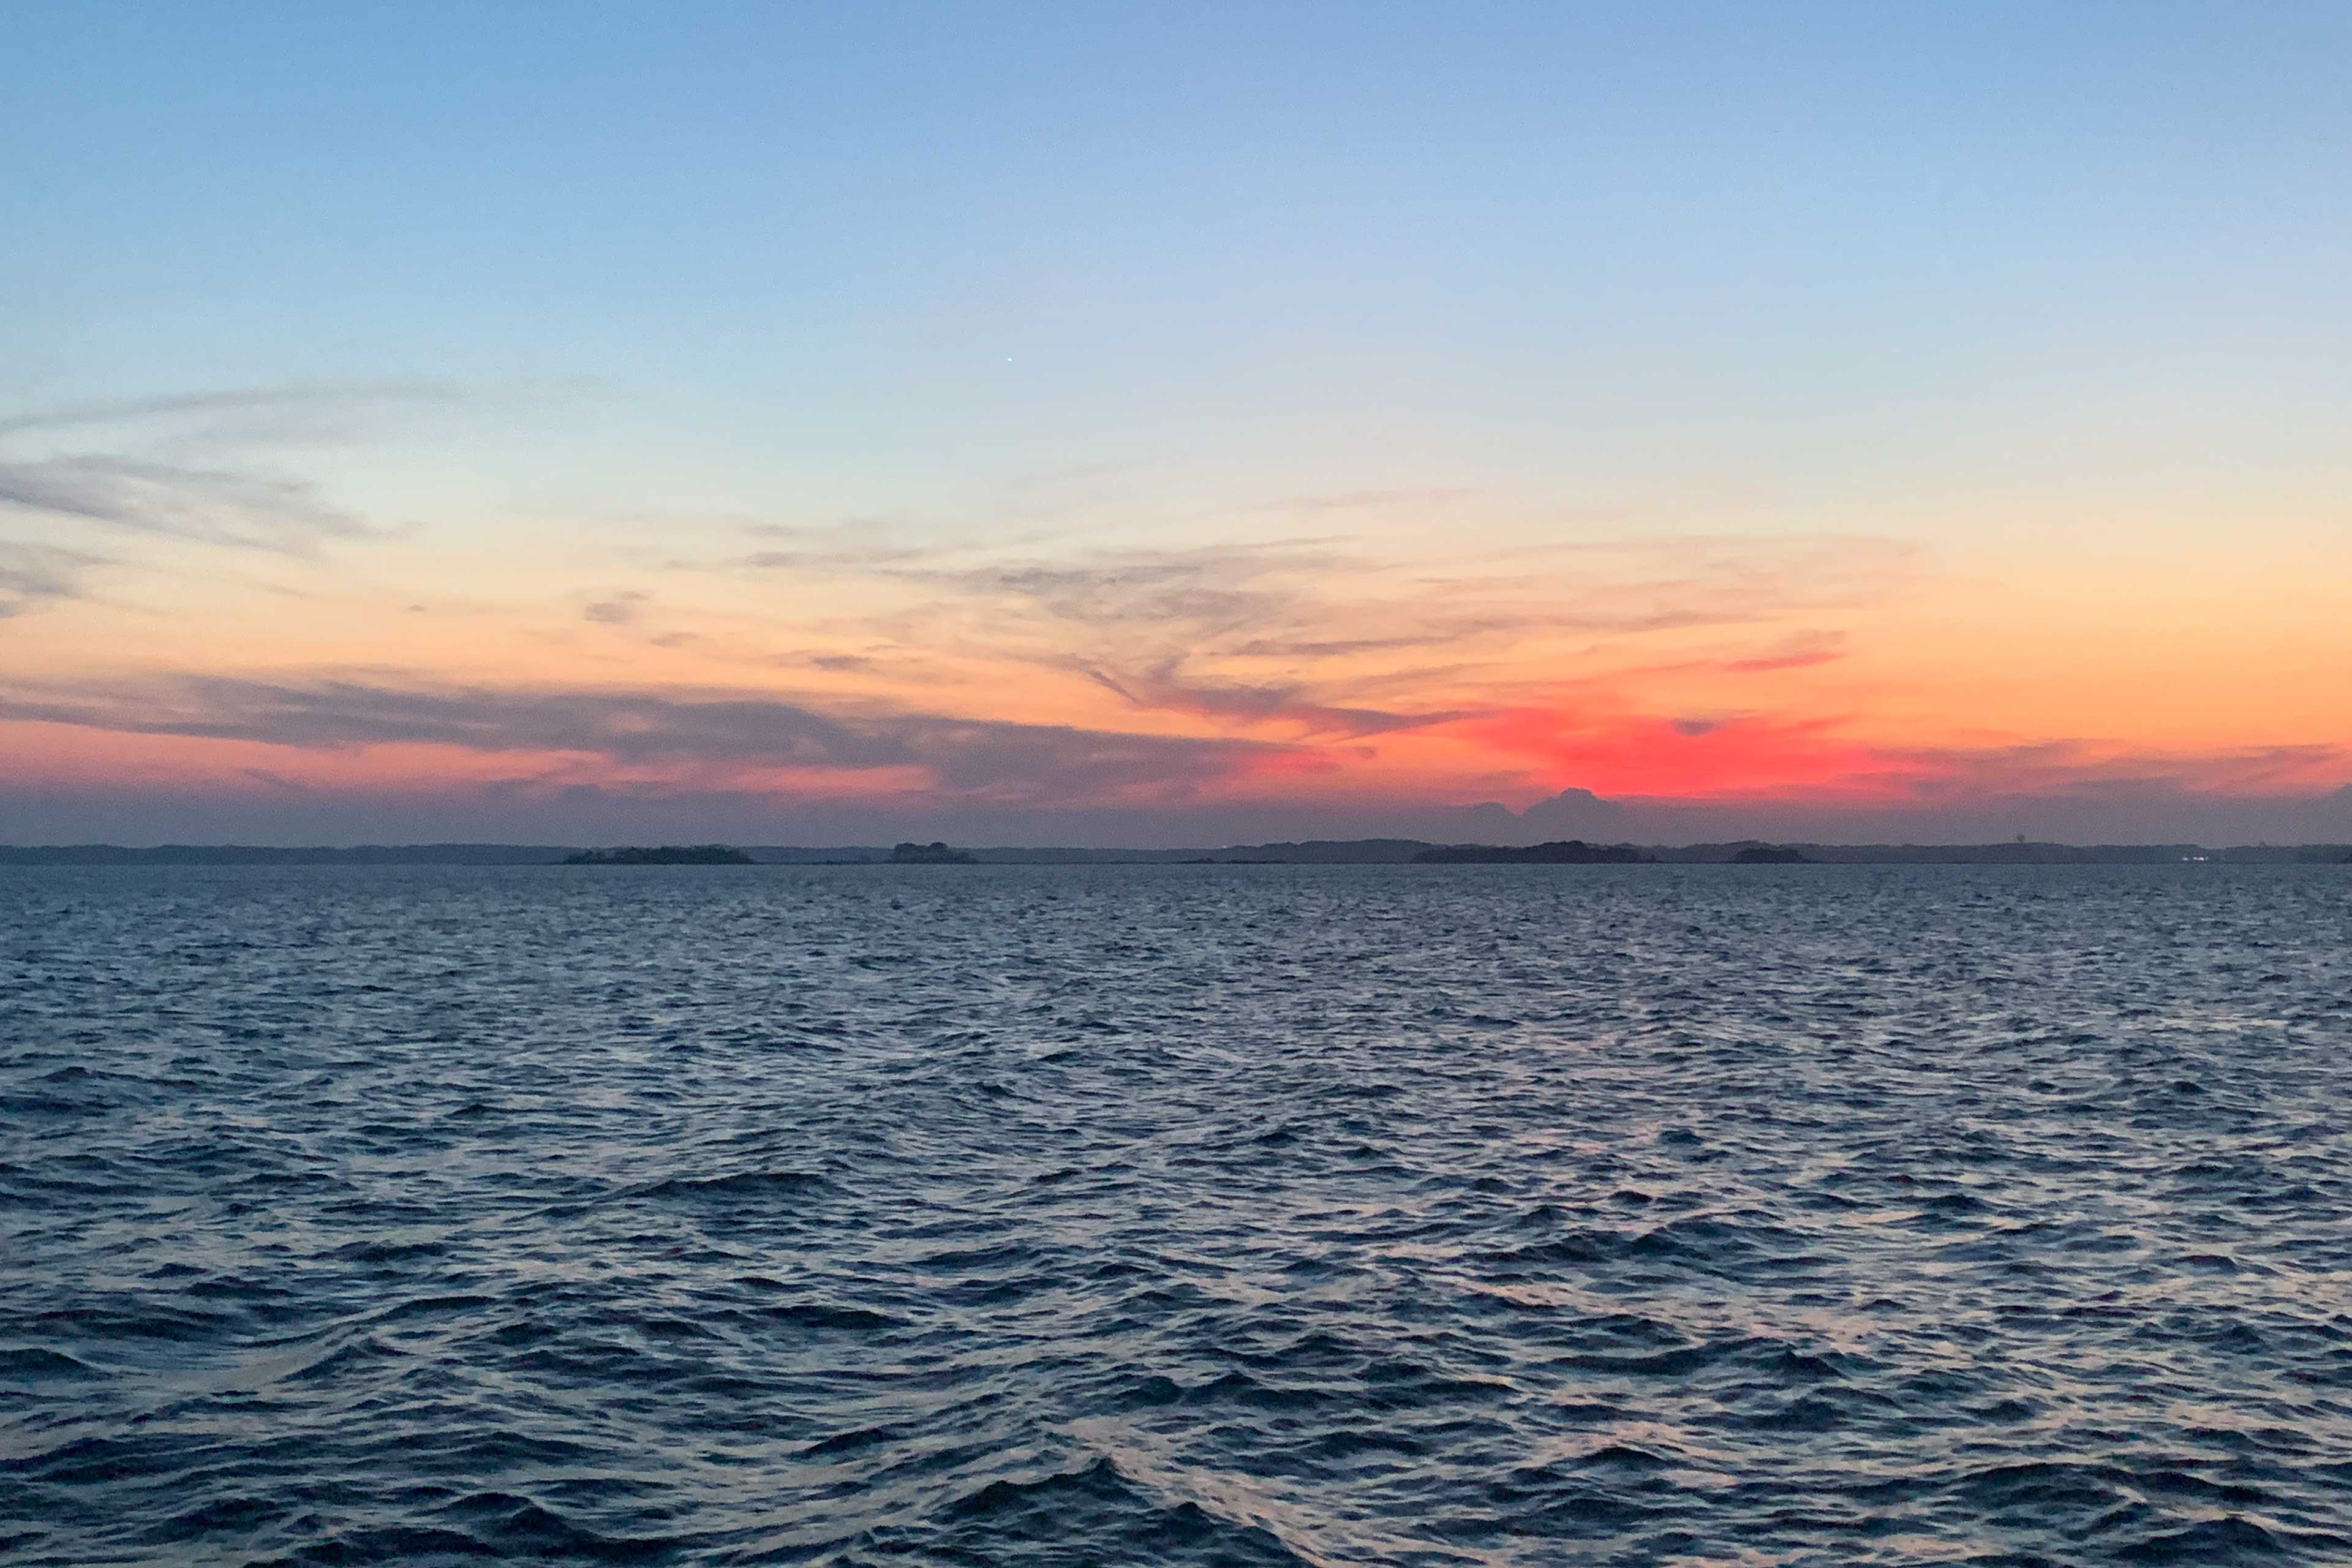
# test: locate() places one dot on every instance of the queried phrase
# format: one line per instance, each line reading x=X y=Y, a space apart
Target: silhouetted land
x=1559 y=852
x=1771 y=855
x=932 y=854
x=667 y=854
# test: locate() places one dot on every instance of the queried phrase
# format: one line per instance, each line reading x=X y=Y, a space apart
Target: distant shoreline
x=1317 y=852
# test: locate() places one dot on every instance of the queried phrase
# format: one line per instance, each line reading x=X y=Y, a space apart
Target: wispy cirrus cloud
x=178 y=467
x=1304 y=630
x=1799 y=650
x=1194 y=601
x=209 y=506
x=35 y=574
x=1306 y=636
x=1166 y=687
x=302 y=399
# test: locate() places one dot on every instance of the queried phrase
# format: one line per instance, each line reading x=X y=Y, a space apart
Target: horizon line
x=353 y=846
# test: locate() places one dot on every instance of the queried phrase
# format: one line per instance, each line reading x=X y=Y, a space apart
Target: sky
x=1175 y=423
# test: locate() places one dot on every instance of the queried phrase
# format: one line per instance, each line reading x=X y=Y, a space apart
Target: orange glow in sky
x=1553 y=422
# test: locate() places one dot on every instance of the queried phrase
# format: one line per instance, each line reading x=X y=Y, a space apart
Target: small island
x=1770 y=855
x=932 y=854
x=1559 y=852
x=667 y=854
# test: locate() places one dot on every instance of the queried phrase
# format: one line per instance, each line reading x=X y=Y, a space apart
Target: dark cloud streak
x=620 y=610
x=992 y=759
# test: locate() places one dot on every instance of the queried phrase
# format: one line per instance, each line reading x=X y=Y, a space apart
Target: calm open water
x=1189 y=1214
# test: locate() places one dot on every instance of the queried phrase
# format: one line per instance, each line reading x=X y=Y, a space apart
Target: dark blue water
x=1427 y=1216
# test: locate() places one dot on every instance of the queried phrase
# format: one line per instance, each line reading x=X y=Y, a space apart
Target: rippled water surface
x=1190 y=1215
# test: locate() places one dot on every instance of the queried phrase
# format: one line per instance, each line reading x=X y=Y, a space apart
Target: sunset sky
x=1175 y=423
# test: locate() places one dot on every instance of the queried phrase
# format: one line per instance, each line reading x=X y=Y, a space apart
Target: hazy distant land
x=662 y=855
x=1313 y=852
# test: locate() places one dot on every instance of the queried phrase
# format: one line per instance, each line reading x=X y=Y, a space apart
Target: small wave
x=861 y=1441
x=344 y=1358
x=1291 y=1529
x=44 y=1105
x=820 y=1315
x=388 y=1251
x=2234 y=1538
x=1240 y=1388
x=35 y=1364
x=512 y=1526
x=387 y=1544
x=740 y=1185
x=215 y=1516
x=1680 y=1361
x=1108 y=1519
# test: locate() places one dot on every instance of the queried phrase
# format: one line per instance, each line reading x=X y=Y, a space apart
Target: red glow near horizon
x=1662 y=758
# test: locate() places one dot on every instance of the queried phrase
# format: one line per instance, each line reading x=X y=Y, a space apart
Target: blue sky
x=1541 y=240
x=551 y=301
